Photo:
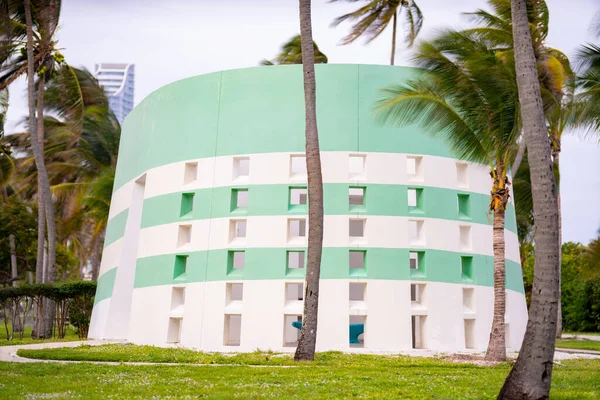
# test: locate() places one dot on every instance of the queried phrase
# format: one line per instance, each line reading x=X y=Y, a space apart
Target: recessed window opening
x=357 y=260
x=356 y=196
x=187 y=204
x=464 y=205
x=465 y=237
x=298 y=196
x=469 y=299
x=462 y=174
x=297 y=165
x=418 y=331
x=174 y=330
x=177 y=297
x=294 y=291
x=241 y=167
x=357 y=330
x=295 y=259
x=235 y=292
x=232 y=330
x=357 y=228
x=414 y=169
x=417 y=293
x=412 y=197
x=180 y=266
x=356 y=166
x=296 y=228
x=237 y=229
x=239 y=199
x=184 y=235
x=237 y=259
x=356 y=291
x=414 y=260
x=416 y=235
x=190 y=173
x=466 y=266
x=291 y=330
x=470 y=334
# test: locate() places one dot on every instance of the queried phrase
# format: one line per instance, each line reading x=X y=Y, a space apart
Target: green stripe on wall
x=381 y=263
x=269 y=200
x=106 y=281
x=115 y=229
x=261 y=110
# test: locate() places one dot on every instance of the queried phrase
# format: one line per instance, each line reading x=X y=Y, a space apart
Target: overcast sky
x=176 y=39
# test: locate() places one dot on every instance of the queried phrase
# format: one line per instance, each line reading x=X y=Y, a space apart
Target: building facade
x=206 y=240
x=118 y=81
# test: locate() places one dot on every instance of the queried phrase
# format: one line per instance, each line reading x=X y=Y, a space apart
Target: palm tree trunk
x=394 y=27
x=531 y=375
x=39 y=262
x=14 y=272
x=97 y=255
x=496 y=350
x=556 y=159
x=518 y=158
x=308 y=335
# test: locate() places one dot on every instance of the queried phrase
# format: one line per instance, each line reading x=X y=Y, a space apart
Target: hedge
x=73 y=302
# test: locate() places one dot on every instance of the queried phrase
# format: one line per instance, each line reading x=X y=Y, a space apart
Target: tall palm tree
x=468 y=96
x=308 y=334
x=291 y=53
x=555 y=74
x=33 y=24
x=531 y=375
x=375 y=16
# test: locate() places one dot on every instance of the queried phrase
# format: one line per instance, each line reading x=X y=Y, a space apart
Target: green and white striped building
x=206 y=237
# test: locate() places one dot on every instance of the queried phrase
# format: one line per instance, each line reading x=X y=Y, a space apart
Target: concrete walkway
x=9 y=354
x=580 y=336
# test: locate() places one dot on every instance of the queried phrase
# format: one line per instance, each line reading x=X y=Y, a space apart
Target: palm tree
x=291 y=53
x=555 y=74
x=308 y=334
x=32 y=27
x=468 y=96
x=531 y=375
x=374 y=17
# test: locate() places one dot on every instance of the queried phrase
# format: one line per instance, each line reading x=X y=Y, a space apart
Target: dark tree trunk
x=308 y=335
x=97 y=256
x=531 y=375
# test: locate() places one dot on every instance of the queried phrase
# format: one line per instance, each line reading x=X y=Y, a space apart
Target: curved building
x=117 y=80
x=206 y=240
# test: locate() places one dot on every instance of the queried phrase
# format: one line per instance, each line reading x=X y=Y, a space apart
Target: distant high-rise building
x=118 y=82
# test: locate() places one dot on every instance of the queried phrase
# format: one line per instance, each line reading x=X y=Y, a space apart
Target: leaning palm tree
x=308 y=334
x=555 y=74
x=531 y=375
x=467 y=96
x=375 y=16
x=291 y=53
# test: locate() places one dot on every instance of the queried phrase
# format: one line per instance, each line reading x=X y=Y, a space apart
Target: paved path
x=9 y=354
x=581 y=336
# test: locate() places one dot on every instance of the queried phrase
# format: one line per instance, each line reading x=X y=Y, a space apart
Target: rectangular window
x=356 y=291
x=415 y=199
x=356 y=166
x=187 y=204
x=462 y=174
x=291 y=333
x=418 y=331
x=190 y=173
x=417 y=293
x=174 y=330
x=298 y=196
x=294 y=291
x=357 y=328
x=180 y=266
x=357 y=261
x=470 y=341
x=414 y=169
x=235 y=260
x=295 y=259
x=234 y=292
x=469 y=300
x=417 y=263
x=297 y=166
x=464 y=206
x=416 y=232
x=177 y=297
x=466 y=267
x=296 y=228
x=239 y=199
x=184 y=235
x=232 y=331
x=465 y=237
x=357 y=228
x=237 y=229
x=241 y=167
x=356 y=197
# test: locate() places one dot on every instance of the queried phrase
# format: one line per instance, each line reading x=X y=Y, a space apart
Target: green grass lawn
x=581 y=344
x=333 y=375
x=70 y=335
